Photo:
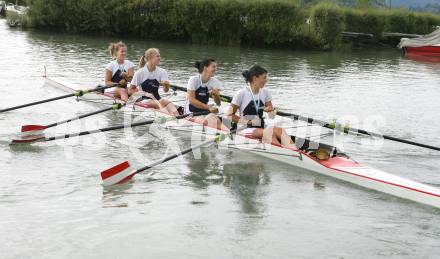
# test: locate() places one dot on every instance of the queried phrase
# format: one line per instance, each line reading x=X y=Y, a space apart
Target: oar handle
x=78 y=93
x=224 y=98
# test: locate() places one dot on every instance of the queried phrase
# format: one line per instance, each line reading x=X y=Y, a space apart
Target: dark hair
x=203 y=63
x=255 y=70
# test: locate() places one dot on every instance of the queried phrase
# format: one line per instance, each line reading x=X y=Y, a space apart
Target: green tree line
x=225 y=22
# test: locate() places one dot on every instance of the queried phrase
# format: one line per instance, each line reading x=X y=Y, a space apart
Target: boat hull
x=340 y=167
x=432 y=51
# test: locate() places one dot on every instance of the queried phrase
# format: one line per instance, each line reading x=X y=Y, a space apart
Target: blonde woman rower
x=118 y=71
x=149 y=78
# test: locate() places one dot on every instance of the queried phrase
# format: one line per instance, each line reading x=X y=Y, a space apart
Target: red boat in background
x=424 y=51
x=426 y=45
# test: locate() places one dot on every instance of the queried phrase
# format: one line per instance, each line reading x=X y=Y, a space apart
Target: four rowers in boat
x=250 y=101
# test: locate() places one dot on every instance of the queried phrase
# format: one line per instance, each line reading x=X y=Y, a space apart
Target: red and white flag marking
x=118 y=174
x=31 y=130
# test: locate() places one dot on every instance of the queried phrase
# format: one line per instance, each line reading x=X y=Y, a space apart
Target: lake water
x=228 y=204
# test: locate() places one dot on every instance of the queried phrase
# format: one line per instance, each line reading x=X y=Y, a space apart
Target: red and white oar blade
x=32 y=130
x=118 y=174
x=27 y=139
x=28 y=128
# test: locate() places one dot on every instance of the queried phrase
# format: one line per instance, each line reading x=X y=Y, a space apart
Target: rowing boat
x=339 y=165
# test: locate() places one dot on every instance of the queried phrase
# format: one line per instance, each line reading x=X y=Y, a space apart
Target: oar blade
x=32 y=130
x=27 y=139
x=118 y=174
x=27 y=128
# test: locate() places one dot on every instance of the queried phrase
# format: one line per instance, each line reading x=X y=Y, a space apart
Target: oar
x=122 y=173
x=78 y=93
x=330 y=125
x=28 y=140
x=223 y=98
x=38 y=129
x=347 y=129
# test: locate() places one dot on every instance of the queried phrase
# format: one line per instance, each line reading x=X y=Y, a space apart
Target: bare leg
x=131 y=91
x=274 y=135
x=285 y=139
x=169 y=106
x=121 y=93
x=153 y=104
x=270 y=136
x=213 y=121
x=266 y=135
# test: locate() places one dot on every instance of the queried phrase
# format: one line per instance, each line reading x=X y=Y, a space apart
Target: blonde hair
x=148 y=53
x=114 y=47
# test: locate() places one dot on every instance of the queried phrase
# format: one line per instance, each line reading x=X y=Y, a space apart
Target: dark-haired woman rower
x=251 y=101
x=200 y=87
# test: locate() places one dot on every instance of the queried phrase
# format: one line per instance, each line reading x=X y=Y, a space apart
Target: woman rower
x=149 y=77
x=119 y=71
x=200 y=87
x=251 y=101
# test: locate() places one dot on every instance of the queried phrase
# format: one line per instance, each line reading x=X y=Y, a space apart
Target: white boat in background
x=19 y=9
x=15 y=13
x=2 y=7
x=338 y=165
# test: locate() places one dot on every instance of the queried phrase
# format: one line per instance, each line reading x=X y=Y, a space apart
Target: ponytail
x=255 y=70
x=200 y=65
x=114 y=47
x=142 y=61
x=148 y=53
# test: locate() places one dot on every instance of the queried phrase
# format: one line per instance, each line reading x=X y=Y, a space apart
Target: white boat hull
x=339 y=167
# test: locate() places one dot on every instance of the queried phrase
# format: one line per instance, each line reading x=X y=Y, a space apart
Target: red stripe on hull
x=425 y=51
x=333 y=166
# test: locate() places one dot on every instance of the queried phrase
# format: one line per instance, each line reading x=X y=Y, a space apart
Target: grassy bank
x=225 y=22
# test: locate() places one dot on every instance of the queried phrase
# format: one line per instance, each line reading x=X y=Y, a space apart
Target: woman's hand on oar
x=78 y=93
x=35 y=130
x=160 y=120
x=122 y=173
x=223 y=98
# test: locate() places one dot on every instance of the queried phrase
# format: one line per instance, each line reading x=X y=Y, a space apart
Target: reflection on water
x=205 y=170
x=245 y=181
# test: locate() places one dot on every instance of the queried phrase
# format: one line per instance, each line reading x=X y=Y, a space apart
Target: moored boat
x=2 y=7
x=433 y=50
x=426 y=45
x=15 y=14
x=337 y=165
